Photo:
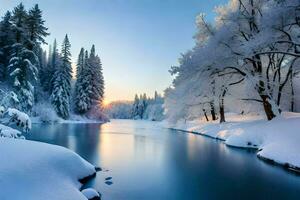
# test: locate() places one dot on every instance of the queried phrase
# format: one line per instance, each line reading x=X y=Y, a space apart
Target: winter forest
x=247 y=61
x=42 y=83
x=188 y=91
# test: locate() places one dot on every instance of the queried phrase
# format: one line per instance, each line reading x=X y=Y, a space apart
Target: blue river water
x=148 y=162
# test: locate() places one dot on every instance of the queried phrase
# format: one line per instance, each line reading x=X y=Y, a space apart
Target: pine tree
x=53 y=64
x=22 y=34
x=140 y=107
x=80 y=63
x=22 y=64
x=6 y=42
x=36 y=34
x=97 y=78
x=23 y=73
x=83 y=86
x=135 y=106
x=42 y=67
x=19 y=27
x=156 y=96
x=61 y=91
x=36 y=29
x=89 y=87
x=66 y=61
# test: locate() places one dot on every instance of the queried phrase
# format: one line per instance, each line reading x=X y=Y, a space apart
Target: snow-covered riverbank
x=33 y=170
x=73 y=119
x=276 y=140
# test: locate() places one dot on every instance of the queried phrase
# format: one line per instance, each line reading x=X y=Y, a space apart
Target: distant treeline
x=142 y=107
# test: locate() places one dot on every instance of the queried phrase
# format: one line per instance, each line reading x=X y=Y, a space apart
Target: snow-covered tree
x=80 y=63
x=89 y=87
x=252 y=47
x=147 y=108
x=47 y=74
x=119 y=110
x=97 y=78
x=23 y=74
x=20 y=39
x=61 y=90
x=6 y=42
x=135 y=104
x=36 y=28
x=22 y=65
x=12 y=121
x=83 y=85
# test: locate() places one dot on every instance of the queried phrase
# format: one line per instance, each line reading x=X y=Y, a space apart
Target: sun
x=105 y=102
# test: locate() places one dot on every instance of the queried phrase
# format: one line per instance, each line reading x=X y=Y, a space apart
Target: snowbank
x=74 y=119
x=44 y=113
x=32 y=170
x=276 y=140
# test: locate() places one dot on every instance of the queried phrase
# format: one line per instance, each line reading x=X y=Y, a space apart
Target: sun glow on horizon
x=105 y=102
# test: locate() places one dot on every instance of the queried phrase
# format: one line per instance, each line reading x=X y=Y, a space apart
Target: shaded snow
x=277 y=140
x=32 y=170
x=90 y=193
x=6 y=131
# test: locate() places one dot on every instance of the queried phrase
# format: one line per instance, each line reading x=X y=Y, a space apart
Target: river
x=148 y=162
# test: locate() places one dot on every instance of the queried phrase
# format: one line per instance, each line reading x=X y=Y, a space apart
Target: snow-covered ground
x=276 y=140
x=73 y=119
x=32 y=170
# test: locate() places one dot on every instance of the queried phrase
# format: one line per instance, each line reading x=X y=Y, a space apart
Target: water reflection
x=148 y=162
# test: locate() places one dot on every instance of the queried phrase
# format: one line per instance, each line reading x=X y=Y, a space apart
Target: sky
x=137 y=40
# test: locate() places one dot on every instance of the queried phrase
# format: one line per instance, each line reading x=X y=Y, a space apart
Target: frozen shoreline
x=276 y=141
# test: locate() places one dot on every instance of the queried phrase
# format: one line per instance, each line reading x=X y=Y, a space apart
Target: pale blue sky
x=137 y=40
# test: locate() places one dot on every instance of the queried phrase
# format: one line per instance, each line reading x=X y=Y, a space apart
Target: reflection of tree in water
x=139 y=146
x=50 y=134
x=81 y=138
x=86 y=143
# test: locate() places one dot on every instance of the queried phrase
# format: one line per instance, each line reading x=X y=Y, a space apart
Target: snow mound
x=90 y=193
x=33 y=171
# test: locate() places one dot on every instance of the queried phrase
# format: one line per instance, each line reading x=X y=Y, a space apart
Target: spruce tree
x=61 y=90
x=89 y=87
x=83 y=90
x=36 y=28
x=97 y=78
x=66 y=62
x=53 y=65
x=19 y=27
x=135 y=106
x=80 y=63
x=6 y=42
x=36 y=36
x=22 y=64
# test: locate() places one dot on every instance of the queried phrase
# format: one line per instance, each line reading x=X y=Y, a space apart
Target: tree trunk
x=221 y=105
x=212 y=111
x=222 y=114
x=204 y=111
x=293 y=93
x=265 y=100
x=268 y=107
